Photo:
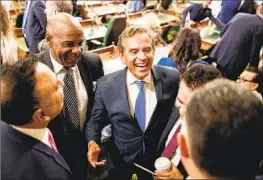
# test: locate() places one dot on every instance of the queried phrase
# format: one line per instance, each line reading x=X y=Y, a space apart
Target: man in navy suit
x=239 y=47
x=137 y=101
x=34 y=24
x=191 y=80
x=30 y=99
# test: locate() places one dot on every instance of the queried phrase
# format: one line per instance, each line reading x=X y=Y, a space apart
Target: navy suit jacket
x=242 y=38
x=26 y=158
x=111 y=106
x=72 y=144
x=228 y=10
x=35 y=27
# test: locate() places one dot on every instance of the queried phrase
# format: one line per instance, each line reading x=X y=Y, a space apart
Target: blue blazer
x=25 y=158
x=111 y=106
x=228 y=10
x=168 y=61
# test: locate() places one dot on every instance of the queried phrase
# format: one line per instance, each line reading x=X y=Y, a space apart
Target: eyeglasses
x=242 y=80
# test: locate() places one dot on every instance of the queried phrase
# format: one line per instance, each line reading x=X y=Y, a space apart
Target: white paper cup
x=162 y=164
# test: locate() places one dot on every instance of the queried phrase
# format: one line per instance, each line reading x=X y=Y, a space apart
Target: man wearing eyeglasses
x=78 y=70
x=252 y=82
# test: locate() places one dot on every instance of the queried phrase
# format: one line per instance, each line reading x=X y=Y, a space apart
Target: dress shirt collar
x=131 y=79
x=58 y=67
x=39 y=134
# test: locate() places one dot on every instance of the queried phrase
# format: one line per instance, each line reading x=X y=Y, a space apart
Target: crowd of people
x=206 y=119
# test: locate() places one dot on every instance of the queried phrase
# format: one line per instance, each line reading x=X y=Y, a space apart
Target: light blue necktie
x=28 y=2
x=139 y=111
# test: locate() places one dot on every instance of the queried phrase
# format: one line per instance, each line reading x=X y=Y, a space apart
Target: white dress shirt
x=39 y=134
x=176 y=157
x=81 y=92
x=149 y=91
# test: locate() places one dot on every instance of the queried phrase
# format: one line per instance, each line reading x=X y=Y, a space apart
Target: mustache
x=66 y=56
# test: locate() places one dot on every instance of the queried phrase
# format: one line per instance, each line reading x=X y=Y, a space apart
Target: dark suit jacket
x=172 y=121
x=242 y=38
x=35 y=28
x=112 y=106
x=248 y=7
x=26 y=158
x=72 y=144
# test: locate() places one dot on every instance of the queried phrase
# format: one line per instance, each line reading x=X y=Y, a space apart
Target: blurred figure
x=31 y=97
x=184 y=51
x=228 y=10
x=221 y=134
x=248 y=6
x=135 y=5
x=239 y=47
x=34 y=24
x=153 y=23
x=192 y=79
x=253 y=83
x=79 y=71
x=8 y=43
x=53 y=7
x=199 y=12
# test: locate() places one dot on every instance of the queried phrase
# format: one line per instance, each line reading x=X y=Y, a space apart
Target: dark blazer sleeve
x=99 y=116
x=188 y=9
x=95 y=65
x=256 y=44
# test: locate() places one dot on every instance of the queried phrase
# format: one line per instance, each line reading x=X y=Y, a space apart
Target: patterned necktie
x=172 y=145
x=70 y=100
x=52 y=142
x=139 y=111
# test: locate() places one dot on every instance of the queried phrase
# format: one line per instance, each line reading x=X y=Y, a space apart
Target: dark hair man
x=31 y=97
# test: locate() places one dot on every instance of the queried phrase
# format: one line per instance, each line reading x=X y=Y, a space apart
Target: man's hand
x=174 y=173
x=93 y=154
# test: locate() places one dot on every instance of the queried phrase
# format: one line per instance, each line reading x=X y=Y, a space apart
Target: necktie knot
x=140 y=84
x=65 y=69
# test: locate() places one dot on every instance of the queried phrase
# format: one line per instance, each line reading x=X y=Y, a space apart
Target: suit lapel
x=124 y=94
x=46 y=60
x=32 y=143
x=158 y=91
x=43 y=148
x=84 y=72
x=85 y=75
x=172 y=120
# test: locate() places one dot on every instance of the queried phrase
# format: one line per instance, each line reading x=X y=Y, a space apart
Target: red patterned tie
x=52 y=142
x=171 y=147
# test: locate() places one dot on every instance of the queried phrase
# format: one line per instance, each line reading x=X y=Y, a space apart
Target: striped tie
x=70 y=100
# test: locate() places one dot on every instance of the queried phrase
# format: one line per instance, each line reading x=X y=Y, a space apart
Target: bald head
x=62 y=21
